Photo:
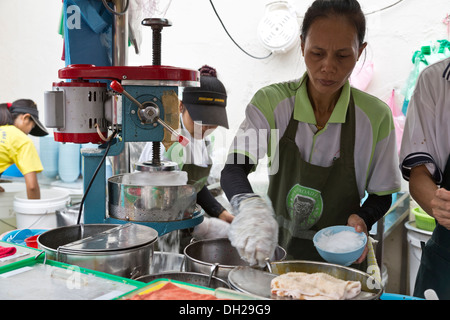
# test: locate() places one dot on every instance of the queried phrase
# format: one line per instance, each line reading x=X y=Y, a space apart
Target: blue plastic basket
x=18 y=236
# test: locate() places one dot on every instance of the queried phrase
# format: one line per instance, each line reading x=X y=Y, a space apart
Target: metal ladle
x=212 y=272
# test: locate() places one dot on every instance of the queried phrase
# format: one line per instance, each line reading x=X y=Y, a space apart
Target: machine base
x=163 y=227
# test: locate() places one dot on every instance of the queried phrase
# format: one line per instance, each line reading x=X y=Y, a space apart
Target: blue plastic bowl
x=341 y=258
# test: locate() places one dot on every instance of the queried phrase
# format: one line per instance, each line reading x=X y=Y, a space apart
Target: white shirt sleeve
x=423 y=141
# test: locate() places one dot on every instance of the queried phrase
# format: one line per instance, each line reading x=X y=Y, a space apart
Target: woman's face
x=196 y=130
x=331 y=50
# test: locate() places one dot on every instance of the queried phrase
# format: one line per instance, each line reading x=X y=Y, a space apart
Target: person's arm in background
x=434 y=200
x=32 y=185
x=211 y=206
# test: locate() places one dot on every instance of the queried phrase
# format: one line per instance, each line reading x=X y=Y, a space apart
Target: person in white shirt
x=202 y=110
x=424 y=158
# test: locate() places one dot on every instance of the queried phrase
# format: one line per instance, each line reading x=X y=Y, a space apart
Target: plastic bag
x=362 y=75
x=427 y=55
x=87 y=33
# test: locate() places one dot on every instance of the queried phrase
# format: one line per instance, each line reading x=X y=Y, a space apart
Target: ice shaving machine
x=111 y=106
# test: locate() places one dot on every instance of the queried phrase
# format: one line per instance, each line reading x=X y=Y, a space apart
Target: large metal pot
x=198 y=279
x=166 y=262
x=204 y=255
x=138 y=197
x=123 y=250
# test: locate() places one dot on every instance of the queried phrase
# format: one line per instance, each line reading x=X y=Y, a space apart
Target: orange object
x=171 y=291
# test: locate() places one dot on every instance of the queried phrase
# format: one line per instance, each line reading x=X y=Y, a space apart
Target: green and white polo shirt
x=268 y=115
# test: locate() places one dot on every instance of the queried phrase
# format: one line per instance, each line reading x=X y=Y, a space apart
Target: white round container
x=49 y=154
x=415 y=236
x=39 y=213
x=69 y=162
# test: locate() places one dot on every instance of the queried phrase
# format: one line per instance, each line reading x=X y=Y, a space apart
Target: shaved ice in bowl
x=340 y=244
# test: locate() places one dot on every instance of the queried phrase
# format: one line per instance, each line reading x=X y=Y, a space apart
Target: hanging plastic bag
x=399 y=119
x=362 y=75
x=427 y=55
x=88 y=34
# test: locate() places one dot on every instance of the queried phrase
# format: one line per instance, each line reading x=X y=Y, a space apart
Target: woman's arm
x=374 y=208
x=32 y=185
x=434 y=200
x=233 y=179
x=207 y=201
x=422 y=187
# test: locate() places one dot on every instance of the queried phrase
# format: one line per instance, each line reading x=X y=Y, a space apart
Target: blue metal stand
x=133 y=130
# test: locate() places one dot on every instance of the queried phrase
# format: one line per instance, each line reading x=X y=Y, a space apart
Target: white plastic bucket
x=39 y=213
x=415 y=236
x=7 y=198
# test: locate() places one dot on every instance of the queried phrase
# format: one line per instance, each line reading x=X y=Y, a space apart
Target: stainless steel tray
x=257 y=282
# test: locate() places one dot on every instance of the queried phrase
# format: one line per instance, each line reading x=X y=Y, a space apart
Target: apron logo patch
x=304 y=206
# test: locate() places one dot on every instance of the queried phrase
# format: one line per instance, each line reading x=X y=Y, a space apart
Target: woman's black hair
x=326 y=8
x=5 y=115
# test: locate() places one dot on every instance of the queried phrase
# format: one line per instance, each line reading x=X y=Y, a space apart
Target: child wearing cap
x=202 y=111
x=17 y=120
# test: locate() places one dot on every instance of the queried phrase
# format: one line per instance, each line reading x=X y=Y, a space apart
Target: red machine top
x=87 y=71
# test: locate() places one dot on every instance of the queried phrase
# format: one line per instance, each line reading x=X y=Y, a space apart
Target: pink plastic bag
x=362 y=75
x=399 y=119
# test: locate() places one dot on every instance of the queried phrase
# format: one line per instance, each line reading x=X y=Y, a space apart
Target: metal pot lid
x=122 y=237
x=252 y=281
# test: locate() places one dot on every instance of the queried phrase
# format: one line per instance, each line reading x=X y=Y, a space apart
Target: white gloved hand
x=211 y=228
x=254 y=230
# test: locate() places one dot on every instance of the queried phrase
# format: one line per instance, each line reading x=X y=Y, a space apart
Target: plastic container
x=41 y=213
x=7 y=198
x=48 y=152
x=395 y=296
x=23 y=256
x=342 y=258
x=423 y=220
x=32 y=241
x=69 y=162
x=414 y=238
x=51 y=280
x=18 y=236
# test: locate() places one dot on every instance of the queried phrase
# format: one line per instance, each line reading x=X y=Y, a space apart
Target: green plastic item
x=41 y=279
x=428 y=54
x=24 y=255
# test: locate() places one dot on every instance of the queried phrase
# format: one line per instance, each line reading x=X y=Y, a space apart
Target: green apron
x=197 y=176
x=306 y=197
x=434 y=270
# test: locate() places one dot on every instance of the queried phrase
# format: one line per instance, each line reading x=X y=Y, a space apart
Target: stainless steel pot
x=202 y=255
x=166 y=262
x=134 y=197
x=123 y=250
x=198 y=279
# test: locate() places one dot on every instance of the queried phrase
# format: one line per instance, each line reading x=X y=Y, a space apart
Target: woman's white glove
x=211 y=228
x=254 y=230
